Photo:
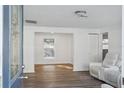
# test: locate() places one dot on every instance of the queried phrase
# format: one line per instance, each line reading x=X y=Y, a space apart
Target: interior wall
x=63 y=48
x=28 y=50
x=93 y=47
x=80 y=45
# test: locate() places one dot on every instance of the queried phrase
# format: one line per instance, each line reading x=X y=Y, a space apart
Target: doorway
x=52 y=48
x=94 y=47
x=53 y=59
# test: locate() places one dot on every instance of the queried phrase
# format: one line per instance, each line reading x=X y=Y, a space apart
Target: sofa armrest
x=112 y=68
x=112 y=74
x=96 y=64
x=94 y=69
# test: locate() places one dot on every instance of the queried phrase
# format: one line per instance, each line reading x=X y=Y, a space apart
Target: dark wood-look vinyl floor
x=59 y=76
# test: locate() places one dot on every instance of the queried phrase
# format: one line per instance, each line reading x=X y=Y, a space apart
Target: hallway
x=59 y=76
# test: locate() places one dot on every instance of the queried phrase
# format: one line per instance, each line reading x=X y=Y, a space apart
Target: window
x=49 y=48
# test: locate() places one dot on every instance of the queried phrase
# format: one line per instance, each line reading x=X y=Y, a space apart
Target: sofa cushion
x=110 y=60
x=111 y=74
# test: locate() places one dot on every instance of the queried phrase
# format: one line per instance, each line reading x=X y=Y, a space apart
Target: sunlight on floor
x=64 y=66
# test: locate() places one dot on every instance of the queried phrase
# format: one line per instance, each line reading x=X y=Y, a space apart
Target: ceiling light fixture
x=81 y=13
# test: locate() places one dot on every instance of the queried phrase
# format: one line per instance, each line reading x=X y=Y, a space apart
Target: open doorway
x=53 y=58
x=53 y=49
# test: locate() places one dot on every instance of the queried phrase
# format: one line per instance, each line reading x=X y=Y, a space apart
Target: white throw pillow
x=110 y=60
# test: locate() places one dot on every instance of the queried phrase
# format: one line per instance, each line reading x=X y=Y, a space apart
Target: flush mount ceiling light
x=81 y=13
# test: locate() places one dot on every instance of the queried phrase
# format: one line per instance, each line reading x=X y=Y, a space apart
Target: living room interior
x=72 y=46
x=66 y=46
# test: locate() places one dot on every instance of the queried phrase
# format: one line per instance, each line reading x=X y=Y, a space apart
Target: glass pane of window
x=15 y=41
x=49 y=48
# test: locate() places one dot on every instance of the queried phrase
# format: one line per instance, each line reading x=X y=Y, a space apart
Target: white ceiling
x=63 y=16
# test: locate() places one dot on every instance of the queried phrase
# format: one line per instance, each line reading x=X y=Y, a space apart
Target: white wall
x=28 y=45
x=1 y=18
x=80 y=45
x=93 y=48
x=63 y=48
x=81 y=51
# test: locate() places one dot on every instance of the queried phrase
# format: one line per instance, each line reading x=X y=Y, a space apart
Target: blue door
x=12 y=46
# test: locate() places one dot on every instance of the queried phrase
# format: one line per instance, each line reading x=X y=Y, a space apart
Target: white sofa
x=109 y=70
